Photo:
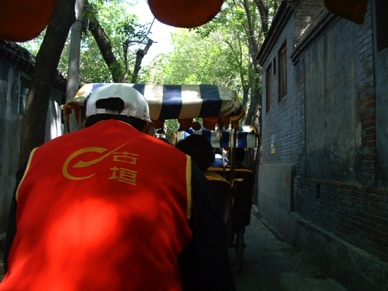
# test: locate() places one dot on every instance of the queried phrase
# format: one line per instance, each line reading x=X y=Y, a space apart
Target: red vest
x=104 y=208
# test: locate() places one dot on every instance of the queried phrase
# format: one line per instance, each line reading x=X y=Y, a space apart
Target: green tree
x=227 y=46
x=196 y=59
x=222 y=52
x=50 y=44
x=216 y=53
x=114 y=43
x=120 y=44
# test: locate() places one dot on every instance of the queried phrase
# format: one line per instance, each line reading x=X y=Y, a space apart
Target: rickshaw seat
x=242 y=198
x=222 y=193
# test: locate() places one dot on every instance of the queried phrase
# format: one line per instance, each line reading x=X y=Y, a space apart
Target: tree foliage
x=195 y=60
x=117 y=46
x=51 y=44
x=113 y=45
x=222 y=52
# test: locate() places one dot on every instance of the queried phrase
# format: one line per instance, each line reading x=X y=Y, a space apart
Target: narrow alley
x=274 y=265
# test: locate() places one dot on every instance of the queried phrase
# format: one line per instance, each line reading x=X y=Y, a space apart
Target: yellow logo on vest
x=118 y=171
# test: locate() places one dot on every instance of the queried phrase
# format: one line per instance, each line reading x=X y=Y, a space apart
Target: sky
x=160 y=31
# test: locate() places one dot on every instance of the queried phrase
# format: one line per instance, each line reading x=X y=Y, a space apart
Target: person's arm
x=11 y=225
x=204 y=262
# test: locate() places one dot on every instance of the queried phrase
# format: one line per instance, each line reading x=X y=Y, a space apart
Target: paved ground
x=273 y=265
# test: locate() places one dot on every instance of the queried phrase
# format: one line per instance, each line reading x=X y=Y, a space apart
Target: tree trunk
x=119 y=72
x=255 y=97
x=105 y=47
x=139 y=58
x=35 y=116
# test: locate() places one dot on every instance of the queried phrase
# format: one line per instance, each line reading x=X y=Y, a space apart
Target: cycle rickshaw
x=220 y=112
x=242 y=180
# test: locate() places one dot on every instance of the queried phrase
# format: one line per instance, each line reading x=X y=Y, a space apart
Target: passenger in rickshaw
x=201 y=151
x=102 y=208
x=239 y=157
x=220 y=159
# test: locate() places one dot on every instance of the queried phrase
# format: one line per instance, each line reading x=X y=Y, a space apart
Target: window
x=282 y=62
x=268 y=89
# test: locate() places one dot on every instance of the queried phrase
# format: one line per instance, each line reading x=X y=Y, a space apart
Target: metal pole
x=74 y=52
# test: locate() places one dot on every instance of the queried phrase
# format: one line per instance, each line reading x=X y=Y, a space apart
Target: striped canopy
x=246 y=137
x=178 y=101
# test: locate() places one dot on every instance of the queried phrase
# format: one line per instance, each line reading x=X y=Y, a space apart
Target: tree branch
x=106 y=50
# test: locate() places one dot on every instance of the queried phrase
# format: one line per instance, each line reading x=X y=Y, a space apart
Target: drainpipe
x=74 y=54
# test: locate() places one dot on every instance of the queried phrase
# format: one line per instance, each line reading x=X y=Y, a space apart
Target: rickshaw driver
x=102 y=208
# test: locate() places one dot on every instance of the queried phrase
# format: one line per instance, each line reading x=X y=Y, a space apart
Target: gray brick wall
x=326 y=129
x=282 y=124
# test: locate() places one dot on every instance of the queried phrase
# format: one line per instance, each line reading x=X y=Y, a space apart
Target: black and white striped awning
x=247 y=137
x=179 y=101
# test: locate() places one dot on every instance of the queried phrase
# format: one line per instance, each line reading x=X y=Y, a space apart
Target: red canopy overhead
x=22 y=20
x=185 y=13
x=353 y=10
